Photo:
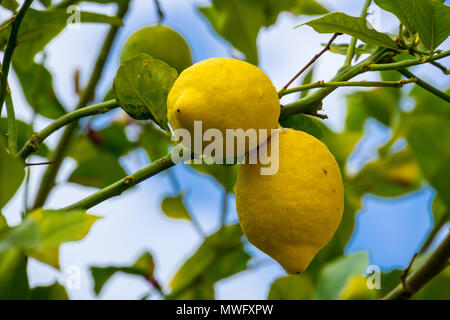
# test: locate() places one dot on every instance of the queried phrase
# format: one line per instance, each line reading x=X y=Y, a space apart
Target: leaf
x=144 y=82
x=10 y=4
x=223 y=174
x=11 y=172
x=37 y=85
x=272 y=8
x=220 y=256
x=356 y=27
x=426 y=136
x=359 y=50
x=24 y=132
x=55 y=228
x=356 y=289
x=13 y=275
x=238 y=22
x=335 y=274
x=98 y=171
x=144 y=266
x=23 y=236
x=436 y=288
x=302 y=123
x=52 y=292
x=404 y=10
x=307 y=79
x=39 y=27
x=291 y=287
x=173 y=207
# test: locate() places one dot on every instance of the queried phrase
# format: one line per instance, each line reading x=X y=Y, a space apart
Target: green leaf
x=10 y=4
x=307 y=79
x=426 y=136
x=436 y=288
x=24 y=132
x=39 y=27
x=238 y=22
x=144 y=266
x=154 y=141
x=13 y=275
x=55 y=228
x=302 y=123
x=52 y=292
x=272 y=8
x=113 y=139
x=356 y=27
x=144 y=83
x=37 y=85
x=335 y=274
x=23 y=236
x=12 y=173
x=359 y=50
x=173 y=207
x=98 y=171
x=223 y=174
x=220 y=256
x=291 y=287
x=3 y=223
x=404 y=10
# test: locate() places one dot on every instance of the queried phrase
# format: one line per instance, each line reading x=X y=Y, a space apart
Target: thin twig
x=323 y=84
x=406 y=271
x=317 y=56
x=159 y=11
x=9 y=51
x=425 y=85
x=435 y=263
x=12 y=130
x=408 y=62
x=440 y=66
x=27 y=164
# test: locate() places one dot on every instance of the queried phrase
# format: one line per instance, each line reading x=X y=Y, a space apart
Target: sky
x=390 y=230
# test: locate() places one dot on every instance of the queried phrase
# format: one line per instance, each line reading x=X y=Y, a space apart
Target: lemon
x=294 y=213
x=223 y=94
x=160 y=42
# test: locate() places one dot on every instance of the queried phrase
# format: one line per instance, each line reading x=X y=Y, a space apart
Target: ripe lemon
x=292 y=214
x=224 y=94
x=160 y=42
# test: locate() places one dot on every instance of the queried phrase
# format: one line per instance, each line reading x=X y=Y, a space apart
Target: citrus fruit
x=223 y=94
x=294 y=213
x=160 y=42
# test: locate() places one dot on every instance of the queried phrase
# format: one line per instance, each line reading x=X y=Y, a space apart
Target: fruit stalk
x=437 y=262
x=32 y=145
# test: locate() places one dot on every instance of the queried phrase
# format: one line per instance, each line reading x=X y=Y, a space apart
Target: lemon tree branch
x=425 y=85
x=86 y=95
x=437 y=262
x=32 y=145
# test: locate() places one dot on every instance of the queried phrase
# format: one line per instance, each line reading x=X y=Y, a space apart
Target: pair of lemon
x=292 y=214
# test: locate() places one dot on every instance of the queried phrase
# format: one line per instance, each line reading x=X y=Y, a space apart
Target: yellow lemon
x=161 y=43
x=294 y=213
x=223 y=94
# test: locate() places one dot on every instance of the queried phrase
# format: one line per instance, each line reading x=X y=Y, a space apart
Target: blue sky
x=389 y=229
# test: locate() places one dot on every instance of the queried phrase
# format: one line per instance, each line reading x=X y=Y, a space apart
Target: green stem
x=408 y=62
x=32 y=145
x=10 y=46
x=87 y=94
x=313 y=102
x=437 y=262
x=12 y=132
x=352 y=46
x=323 y=84
x=425 y=85
x=438 y=225
x=120 y=186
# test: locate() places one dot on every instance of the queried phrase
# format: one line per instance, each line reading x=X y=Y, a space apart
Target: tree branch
x=32 y=145
x=408 y=62
x=323 y=84
x=9 y=51
x=438 y=225
x=425 y=85
x=352 y=46
x=120 y=186
x=87 y=94
x=313 y=101
x=317 y=56
x=12 y=131
x=437 y=262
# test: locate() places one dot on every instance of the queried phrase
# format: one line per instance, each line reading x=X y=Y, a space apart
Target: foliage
x=140 y=88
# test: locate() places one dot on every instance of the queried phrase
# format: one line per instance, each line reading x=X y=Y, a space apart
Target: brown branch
x=317 y=56
x=27 y=164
